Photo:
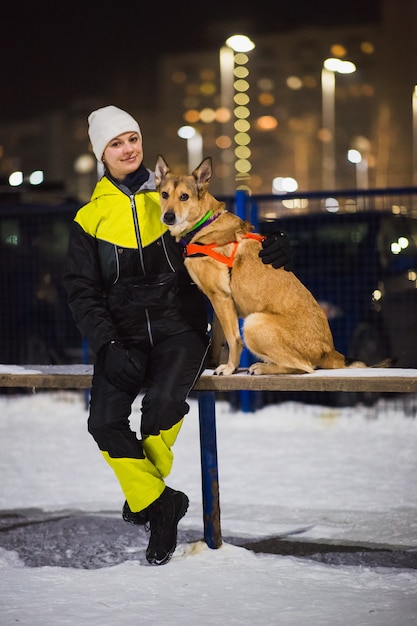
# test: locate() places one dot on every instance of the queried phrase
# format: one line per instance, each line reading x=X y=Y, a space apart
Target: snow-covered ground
x=288 y=473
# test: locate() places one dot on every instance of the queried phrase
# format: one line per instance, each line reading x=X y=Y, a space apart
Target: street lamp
x=414 y=105
x=227 y=64
x=361 y=167
x=233 y=84
x=85 y=167
x=328 y=82
x=194 y=146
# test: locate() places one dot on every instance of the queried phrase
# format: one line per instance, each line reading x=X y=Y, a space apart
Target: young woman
x=146 y=322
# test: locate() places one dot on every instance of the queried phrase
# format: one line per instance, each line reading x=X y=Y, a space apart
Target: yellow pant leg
x=142 y=480
x=157 y=448
x=139 y=479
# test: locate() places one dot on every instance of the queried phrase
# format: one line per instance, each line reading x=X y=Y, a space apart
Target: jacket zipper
x=141 y=259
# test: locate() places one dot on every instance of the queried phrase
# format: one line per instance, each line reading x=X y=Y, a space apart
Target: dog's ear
x=203 y=172
x=161 y=170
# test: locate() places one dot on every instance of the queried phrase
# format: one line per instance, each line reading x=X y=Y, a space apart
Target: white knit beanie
x=107 y=123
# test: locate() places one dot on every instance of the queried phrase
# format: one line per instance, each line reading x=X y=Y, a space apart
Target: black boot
x=141 y=517
x=164 y=515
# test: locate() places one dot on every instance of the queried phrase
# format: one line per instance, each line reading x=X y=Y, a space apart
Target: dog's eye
x=184 y=197
x=164 y=195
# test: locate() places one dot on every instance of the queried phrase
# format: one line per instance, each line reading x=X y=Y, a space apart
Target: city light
x=16 y=179
x=85 y=164
x=240 y=43
x=331 y=205
x=331 y=67
x=36 y=178
x=361 y=167
x=414 y=156
x=186 y=132
x=354 y=156
x=284 y=184
x=339 y=66
x=194 y=145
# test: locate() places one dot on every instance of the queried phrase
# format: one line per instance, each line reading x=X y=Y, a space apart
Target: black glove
x=121 y=368
x=276 y=250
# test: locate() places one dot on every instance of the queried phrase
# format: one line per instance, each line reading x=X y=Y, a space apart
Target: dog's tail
x=388 y=362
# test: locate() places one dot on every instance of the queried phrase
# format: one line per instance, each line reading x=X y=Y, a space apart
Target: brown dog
x=284 y=325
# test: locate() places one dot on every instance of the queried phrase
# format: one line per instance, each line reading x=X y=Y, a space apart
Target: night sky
x=55 y=53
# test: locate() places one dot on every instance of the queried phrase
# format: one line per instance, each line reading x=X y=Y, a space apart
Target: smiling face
x=183 y=198
x=123 y=154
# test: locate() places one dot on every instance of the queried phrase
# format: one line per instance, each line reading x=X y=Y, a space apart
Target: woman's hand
x=121 y=368
x=276 y=250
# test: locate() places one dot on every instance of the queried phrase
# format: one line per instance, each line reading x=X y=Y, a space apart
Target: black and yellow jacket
x=125 y=275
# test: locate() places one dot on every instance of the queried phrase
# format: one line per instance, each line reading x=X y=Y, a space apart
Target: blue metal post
x=240 y=203
x=209 y=469
x=246 y=358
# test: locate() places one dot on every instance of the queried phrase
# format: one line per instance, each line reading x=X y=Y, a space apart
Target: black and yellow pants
x=170 y=369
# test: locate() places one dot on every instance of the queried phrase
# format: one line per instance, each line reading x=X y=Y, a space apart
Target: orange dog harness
x=207 y=249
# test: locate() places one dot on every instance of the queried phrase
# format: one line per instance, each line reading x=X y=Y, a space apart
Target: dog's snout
x=169 y=218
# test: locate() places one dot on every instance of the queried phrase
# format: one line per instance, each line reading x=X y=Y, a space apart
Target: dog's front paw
x=224 y=370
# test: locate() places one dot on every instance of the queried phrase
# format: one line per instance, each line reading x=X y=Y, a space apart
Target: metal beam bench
x=363 y=380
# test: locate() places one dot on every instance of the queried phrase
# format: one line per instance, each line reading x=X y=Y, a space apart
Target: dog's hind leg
x=259 y=369
x=265 y=337
x=333 y=360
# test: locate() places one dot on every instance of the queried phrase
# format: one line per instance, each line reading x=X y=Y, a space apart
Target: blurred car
x=36 y=325
x=362 y=269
